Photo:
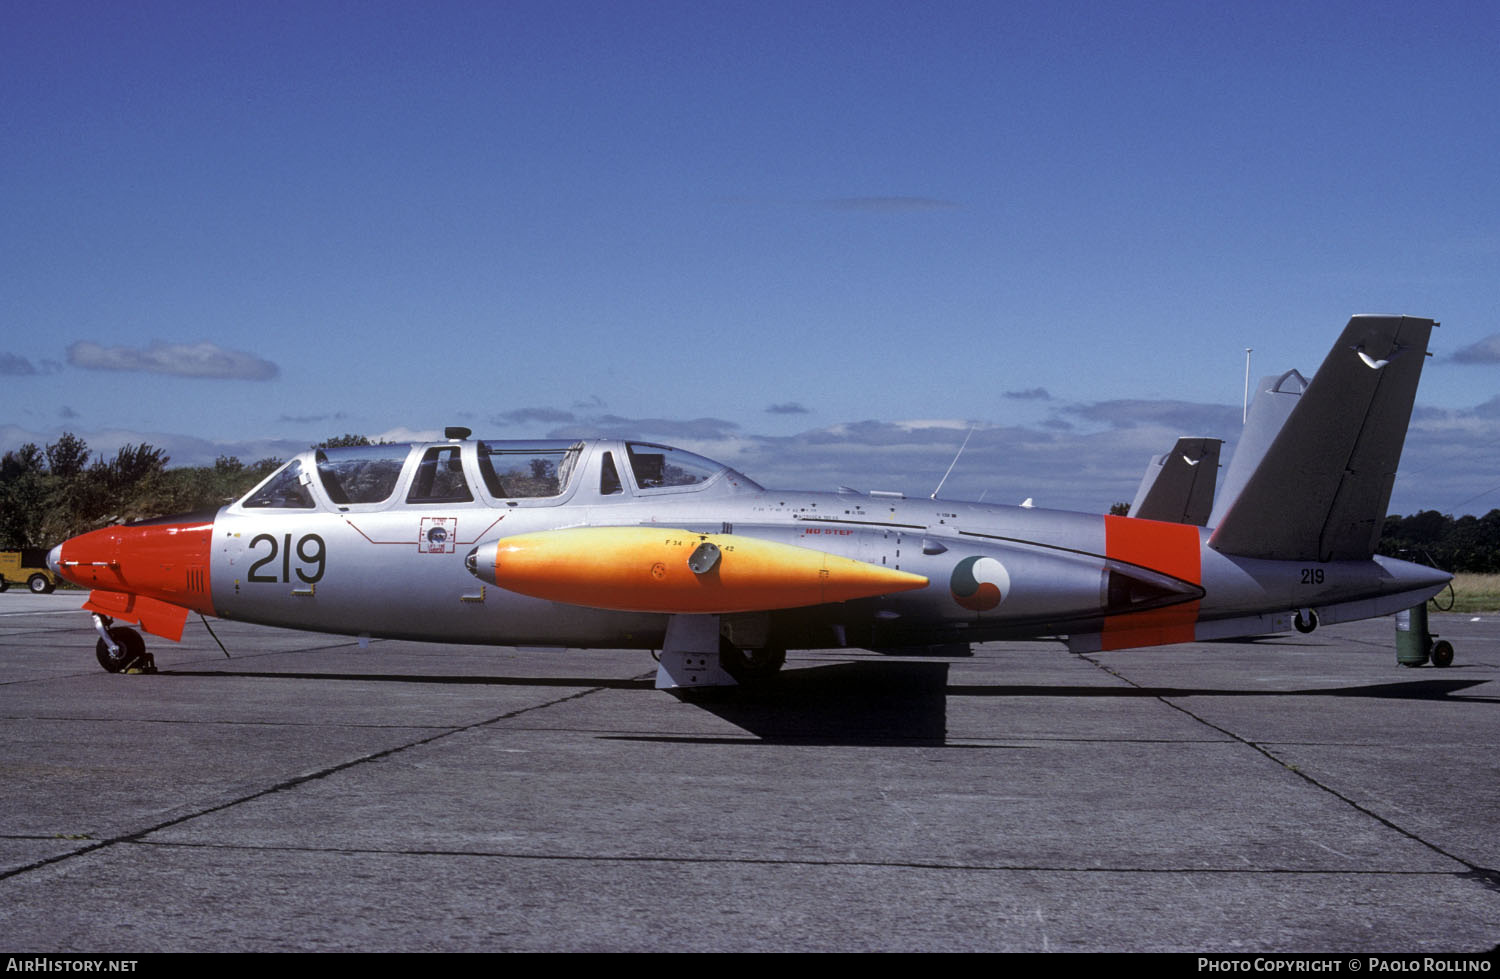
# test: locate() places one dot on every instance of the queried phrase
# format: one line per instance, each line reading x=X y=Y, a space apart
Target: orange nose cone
x=167 y=561
x=647 y=569
x=91 y=560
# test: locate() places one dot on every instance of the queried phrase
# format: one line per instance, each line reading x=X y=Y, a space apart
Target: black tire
x=1442 y=653
x=1305 y=621
x=747 y=665
x=39 y=584
x=3 y=583
x=132 y=648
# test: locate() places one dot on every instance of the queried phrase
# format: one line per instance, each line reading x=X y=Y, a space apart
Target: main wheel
x=751 y=664
x=39 y=584
x=132 y=648
x=1306 y=620
x=1442 y=653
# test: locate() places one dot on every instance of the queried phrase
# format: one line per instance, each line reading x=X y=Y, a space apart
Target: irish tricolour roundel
x=979 y=583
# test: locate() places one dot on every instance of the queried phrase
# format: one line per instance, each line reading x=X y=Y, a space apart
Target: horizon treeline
x=50 y=494
x=1466 y=543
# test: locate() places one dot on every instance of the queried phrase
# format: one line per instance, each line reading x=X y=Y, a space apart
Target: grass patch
x=1472 y=593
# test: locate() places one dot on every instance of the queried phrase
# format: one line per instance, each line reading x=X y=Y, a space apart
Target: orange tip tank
x=654 y=569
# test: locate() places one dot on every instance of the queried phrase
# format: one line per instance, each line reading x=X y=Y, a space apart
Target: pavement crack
x=139 y=836
x=1484 y=876
x=730 y=860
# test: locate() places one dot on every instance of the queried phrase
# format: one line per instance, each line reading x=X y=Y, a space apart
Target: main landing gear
x=121 y=649
x=749 y=665
x=694 y=653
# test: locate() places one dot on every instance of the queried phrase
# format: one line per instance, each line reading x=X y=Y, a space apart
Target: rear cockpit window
x=440 y=478
x=519 y=470
x=287 y=490
x=659 y=466
x=366 y=474
x=609 y=476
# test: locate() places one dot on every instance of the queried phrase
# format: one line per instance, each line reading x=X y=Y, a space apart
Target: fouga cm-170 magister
x=610 y=543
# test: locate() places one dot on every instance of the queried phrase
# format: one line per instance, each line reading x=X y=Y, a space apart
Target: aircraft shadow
x=613 y=683
x=866 y=703
x=1404 y=690
x=906 y=703
x=842 y=704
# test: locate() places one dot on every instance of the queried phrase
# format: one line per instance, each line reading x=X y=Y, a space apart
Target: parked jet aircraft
x=618 y=543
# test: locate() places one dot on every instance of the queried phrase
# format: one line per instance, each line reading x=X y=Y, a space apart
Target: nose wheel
x=122 y=650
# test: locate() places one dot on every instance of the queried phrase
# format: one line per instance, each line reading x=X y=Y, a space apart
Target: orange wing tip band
x=651 y=569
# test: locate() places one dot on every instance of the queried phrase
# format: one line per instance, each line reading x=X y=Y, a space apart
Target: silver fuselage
x=396 y=568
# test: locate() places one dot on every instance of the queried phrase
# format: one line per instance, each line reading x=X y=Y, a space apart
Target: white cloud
x=14 y=365
x=1187 y=417
x=183 y=450
x=1450 y=461
x=1486 y=351
x=540 y=414
x=616 y=426
x=204 y=359
x=403 y=434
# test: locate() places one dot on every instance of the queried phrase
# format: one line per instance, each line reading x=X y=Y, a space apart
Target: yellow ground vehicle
x=28 y=565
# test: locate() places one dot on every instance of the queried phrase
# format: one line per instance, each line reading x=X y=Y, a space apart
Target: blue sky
x=815 y=240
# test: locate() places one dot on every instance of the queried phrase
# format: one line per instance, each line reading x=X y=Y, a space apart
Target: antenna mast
x=1245 y=412
x=953 y=463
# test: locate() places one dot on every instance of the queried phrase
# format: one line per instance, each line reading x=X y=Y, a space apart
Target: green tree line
x=50 y=494
x=1454 y=544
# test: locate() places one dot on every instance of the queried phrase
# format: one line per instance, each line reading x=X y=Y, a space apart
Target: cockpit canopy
x=493 y=473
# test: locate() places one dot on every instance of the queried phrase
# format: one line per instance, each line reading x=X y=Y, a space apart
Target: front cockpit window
x=519 y=470
x=363 y=474
x=287 y=490
x=661 y=467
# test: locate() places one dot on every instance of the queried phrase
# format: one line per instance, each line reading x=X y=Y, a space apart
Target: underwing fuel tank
x=654 y=569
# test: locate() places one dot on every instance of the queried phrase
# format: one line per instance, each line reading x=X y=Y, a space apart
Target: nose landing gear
x=121 y=649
